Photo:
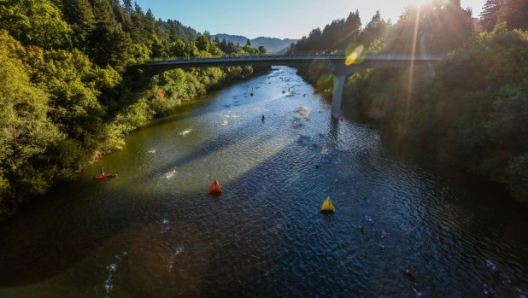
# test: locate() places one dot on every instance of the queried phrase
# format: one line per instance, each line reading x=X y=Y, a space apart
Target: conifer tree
x=79 y=14
x=490 y=14
x=515 y=13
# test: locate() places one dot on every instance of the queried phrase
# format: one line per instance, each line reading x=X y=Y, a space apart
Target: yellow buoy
x=328 y=205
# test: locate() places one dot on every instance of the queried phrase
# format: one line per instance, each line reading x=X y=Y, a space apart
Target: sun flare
x=417 y=2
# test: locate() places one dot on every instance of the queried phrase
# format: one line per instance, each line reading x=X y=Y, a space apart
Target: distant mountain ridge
x=272 y=44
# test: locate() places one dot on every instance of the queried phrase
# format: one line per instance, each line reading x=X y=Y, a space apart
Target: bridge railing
x=296 y=55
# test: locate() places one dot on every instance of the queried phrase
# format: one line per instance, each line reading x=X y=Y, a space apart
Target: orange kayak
x=101 y=177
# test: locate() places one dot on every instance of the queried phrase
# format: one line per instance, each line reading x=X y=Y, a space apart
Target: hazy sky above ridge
x=276 y=18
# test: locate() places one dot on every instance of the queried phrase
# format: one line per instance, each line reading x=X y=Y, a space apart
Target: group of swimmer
x=486 y=288
x=406 y=272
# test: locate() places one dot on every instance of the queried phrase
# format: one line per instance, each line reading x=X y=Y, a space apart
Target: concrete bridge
x=339 y=64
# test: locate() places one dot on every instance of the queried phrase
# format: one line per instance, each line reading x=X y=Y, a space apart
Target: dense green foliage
x=512 y=12
x=470 y=110
x=69 y=94
x=477 y=104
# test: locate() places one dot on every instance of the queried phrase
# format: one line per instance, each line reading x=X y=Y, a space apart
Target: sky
x=276 y=18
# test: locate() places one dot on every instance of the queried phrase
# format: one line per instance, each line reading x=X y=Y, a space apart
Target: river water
x=155 y=231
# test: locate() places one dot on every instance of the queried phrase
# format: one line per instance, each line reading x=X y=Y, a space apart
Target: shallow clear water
x=155 y=231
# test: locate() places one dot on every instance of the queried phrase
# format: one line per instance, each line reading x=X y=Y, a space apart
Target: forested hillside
x=470 y=110
x=68 y=93
x=272 y=45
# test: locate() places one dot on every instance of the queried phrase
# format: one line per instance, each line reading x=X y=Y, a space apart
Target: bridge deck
x=251 y=60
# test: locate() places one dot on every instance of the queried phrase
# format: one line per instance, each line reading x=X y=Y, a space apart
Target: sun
x=417 y=2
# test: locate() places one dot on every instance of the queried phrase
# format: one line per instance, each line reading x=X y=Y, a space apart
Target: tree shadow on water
x=256 y=207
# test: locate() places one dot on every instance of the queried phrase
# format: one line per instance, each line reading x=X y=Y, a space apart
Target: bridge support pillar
x=339 y=82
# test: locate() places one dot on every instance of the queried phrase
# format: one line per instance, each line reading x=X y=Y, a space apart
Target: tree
x=434 y=28
x=203 y=43
x=109 y=45
x=352 y=29
x=127 y=5
x=122 y=16
x=178 y=49
x=262 y=50
x=26 y=131
x=489 y=16
x=515 y=13
x=149 y=23
x=79 y=14
x=191 y=49
x=36 y=23
x=158 y=49
x=227 y=47
x=377 y=28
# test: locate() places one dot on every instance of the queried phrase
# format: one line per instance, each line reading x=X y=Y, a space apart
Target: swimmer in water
x=490 y=265
x=416 y=290
x=361 y=229
x=504 y=278
x=382 y=247
x=487 y=291
x=409 y=275
x=383 y=234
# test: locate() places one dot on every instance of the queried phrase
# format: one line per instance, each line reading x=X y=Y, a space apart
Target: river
x=155 y=231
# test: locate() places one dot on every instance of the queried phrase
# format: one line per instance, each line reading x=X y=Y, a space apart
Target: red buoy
x=215 y=187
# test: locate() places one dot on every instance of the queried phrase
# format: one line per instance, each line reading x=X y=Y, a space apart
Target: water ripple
x=264 y=235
